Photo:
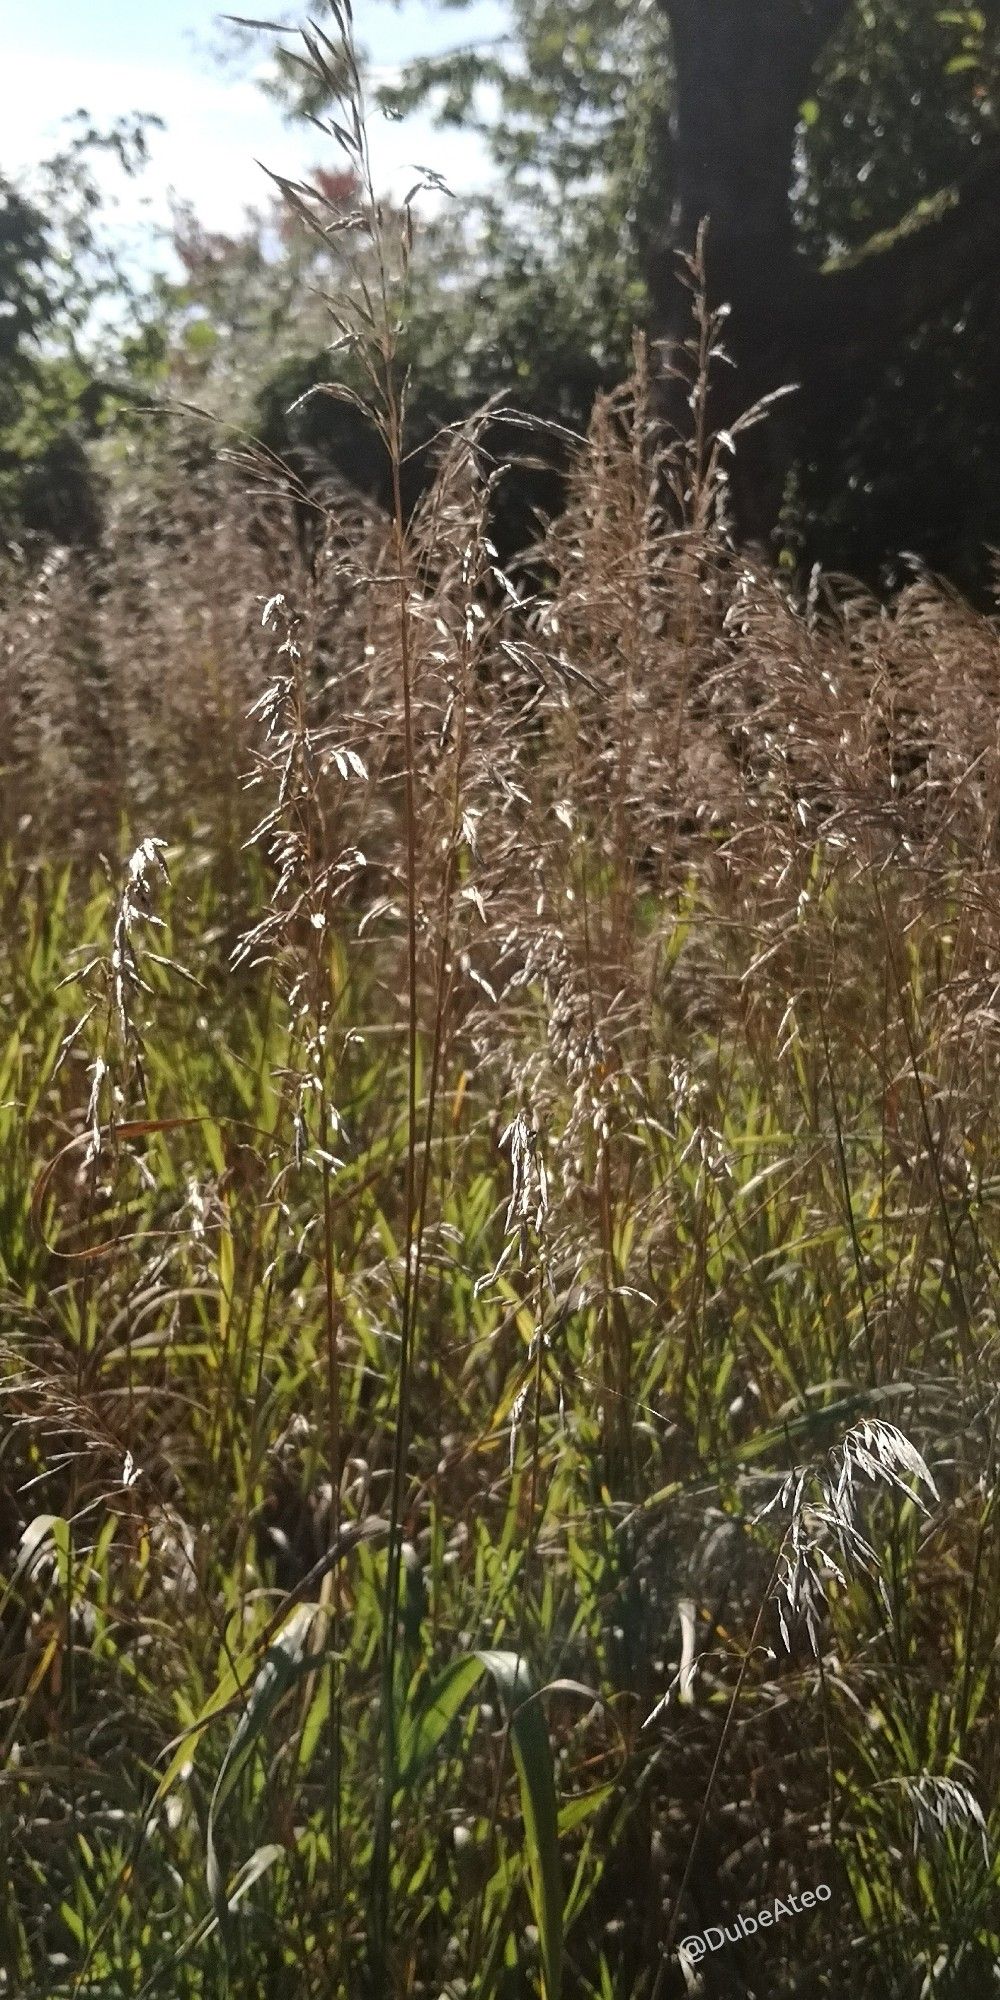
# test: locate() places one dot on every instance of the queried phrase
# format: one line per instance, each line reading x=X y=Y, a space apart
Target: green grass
x=499 y=1253
x=740 y=1262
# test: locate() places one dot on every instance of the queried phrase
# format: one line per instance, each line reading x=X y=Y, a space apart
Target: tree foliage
x=578 y=104
x=70 y=321
x=531 y=291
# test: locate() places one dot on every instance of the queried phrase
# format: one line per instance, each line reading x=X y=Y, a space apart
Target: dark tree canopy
x=745 y=71
x=845 y=152
x=60 y=269
x=847 y=155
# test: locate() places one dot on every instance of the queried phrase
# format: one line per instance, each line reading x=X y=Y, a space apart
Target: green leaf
x=582 y=1808
x=260 y=1861
x=284 y=1663
x=533 y=1757
x=200 y=336
x=422 y=1731
x=420 y=1736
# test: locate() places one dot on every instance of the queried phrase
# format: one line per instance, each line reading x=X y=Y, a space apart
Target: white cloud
x=216 y=128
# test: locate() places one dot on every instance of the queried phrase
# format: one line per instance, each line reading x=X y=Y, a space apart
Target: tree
x=532 y=289
x=845 y=153
x=26 y=306
x=68 y=306
x=745 y=71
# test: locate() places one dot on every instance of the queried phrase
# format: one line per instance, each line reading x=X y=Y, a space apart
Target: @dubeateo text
x=695 y=1947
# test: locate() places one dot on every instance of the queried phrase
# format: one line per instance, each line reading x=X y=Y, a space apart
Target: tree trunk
x=742 y=71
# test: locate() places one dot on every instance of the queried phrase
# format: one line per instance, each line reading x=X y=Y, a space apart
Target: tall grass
x=498 y=1111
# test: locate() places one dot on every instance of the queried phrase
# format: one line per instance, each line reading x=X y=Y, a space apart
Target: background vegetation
x=533 y=290
x=498 y=1114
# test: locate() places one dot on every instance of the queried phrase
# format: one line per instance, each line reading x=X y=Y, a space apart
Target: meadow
x=499 y=1112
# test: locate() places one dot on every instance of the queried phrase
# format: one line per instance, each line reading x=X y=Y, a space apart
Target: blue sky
x=112 y=56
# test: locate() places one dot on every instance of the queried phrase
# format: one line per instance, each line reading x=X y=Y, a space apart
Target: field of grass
x=499 y=1123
